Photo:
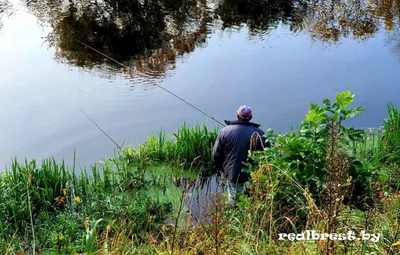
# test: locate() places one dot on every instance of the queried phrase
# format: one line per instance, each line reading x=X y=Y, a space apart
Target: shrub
x=302 y=154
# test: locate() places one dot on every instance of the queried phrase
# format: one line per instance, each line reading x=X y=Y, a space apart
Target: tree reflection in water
x=149 y=35
x=5 y=7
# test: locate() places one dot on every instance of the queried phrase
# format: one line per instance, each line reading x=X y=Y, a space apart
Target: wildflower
x=59 y=201
x=396 y=243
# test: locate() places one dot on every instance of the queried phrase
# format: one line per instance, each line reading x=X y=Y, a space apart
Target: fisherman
x=231 y=150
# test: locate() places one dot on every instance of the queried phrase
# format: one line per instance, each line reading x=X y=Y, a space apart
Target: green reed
x=189 y=147
x=54 y=207
x=47 y=205
x=391 y=138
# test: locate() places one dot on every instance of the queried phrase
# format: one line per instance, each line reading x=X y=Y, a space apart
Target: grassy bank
x=323 y=176
x=49 y=208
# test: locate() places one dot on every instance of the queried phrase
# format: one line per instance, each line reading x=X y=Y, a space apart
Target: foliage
x=191 y=148
x=68 y=210
x=391 y=138
x=303 y=153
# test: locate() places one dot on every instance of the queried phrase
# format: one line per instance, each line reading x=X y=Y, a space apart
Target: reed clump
x=391 y=136
x=189 y=147
x=57 y=210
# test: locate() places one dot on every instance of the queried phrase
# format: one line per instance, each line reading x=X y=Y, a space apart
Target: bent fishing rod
x=166 y=90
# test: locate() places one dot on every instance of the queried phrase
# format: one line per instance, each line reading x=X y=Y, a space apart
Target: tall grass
x=57 y=210
x=254 y=226
x=49 y=206
x=190 y=147
x=391 y=138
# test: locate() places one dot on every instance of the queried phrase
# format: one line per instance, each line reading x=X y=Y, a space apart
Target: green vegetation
x=191 y=148
x=391 y=137
x=323 y=176
x=49 y=208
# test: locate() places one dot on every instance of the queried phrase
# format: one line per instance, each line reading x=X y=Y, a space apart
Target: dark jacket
x=232 y=146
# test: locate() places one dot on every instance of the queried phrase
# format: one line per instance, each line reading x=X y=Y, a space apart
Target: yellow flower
x=78 y=199
x=396 y=243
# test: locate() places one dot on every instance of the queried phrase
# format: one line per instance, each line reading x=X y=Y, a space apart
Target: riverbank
x=50 y=208
x=324 y=177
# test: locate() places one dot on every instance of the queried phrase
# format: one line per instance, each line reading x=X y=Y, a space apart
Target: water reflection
x=258 y=16
x=146 y=35
x=201 y=196
x=5 y=7
x=149 y=35
x=393 y=41
x=333 y=20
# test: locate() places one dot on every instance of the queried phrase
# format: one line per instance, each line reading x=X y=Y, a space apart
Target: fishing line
x=119 y=147
x=166 y=90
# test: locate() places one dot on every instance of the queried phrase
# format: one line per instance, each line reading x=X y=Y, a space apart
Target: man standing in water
x=232 y=146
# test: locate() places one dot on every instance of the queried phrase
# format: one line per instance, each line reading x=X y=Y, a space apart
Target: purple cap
x=244 y=112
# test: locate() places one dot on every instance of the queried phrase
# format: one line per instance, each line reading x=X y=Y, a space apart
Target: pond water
x=277 y=56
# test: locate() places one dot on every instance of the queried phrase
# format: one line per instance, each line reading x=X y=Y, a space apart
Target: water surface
x=276 y=56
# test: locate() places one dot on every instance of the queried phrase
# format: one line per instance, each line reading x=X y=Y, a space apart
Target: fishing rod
x=166 y=90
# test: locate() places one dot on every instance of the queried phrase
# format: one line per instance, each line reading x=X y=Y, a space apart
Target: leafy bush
x=302 y=154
